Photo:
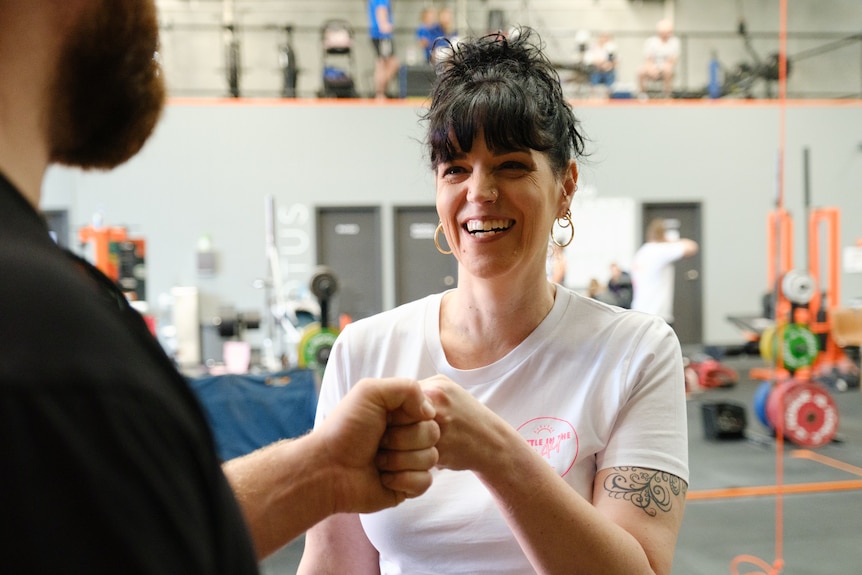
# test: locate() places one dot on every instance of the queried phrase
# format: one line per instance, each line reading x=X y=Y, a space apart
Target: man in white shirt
x=653 y=272
x=660 y=55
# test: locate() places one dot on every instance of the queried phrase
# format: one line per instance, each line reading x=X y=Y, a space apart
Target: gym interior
x=265 y=213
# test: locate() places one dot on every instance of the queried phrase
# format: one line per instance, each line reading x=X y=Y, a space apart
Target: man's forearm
x=270 y=482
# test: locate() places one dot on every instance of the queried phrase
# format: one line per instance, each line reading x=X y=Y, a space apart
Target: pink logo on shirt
x=554 y=439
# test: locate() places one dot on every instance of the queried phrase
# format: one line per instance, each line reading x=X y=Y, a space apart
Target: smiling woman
x=557 y=413
x=502 y=205
x=475 y=90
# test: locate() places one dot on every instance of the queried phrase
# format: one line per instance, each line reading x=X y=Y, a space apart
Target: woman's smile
x=486 y=228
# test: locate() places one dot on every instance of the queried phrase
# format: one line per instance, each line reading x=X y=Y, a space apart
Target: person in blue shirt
x=429 y=30
x=381 y=30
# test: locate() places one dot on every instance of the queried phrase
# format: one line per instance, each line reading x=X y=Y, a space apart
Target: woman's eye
x=513 y=165
x=452 y=170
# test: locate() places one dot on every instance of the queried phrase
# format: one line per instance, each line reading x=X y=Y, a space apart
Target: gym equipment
x=287 y=61
x=799 y=336
x=711 y=373
x=723 y=420
x=742 y=78
x=804 y=412
x=793 y=399
x=231 y=47
x=799 y=346
x=324 y=285
x=117 y=255
x=760 y=397
x=798 y=287
x=316 y=345
x=793 y=345
x=318 y=338
x=284 y=319
x=232 y=58
x=233 y=324
x=338 y=65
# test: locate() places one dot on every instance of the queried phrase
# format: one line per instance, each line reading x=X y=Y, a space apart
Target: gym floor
x=734 y=521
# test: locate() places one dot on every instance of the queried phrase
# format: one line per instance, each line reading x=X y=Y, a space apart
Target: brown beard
x=109 y=90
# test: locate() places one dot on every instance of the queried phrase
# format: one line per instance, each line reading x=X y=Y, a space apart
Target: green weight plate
x=315 y=345
x=799 y=346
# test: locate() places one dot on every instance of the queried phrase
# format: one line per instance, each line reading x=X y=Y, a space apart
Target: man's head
x=664 y=28
x=108 y=90
x=656 y=231
x=429 y=16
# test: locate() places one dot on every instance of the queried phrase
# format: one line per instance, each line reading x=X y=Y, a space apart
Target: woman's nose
x=482 y=189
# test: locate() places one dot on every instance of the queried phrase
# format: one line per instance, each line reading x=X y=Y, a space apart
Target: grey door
x=420 y=269
x=348 y=242
x=688 y=279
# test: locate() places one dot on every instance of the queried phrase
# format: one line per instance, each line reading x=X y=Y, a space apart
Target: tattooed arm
x=648 y=504
x=629 y=528
x=623 y=532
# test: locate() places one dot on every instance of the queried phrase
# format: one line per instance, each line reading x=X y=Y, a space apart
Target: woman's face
x=498 y=208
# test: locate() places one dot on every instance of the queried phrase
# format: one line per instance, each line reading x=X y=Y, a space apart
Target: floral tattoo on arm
x=650 y=490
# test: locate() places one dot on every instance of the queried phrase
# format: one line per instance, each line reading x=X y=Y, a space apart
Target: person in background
x=429 y=30
x=447 y=22
x=661 y=52
x=601 y=59
x=109 y=465
x=563 y=444
x=620 y=285
x=381 y=29
x=618 y=290
x=653 y=270
x=441 y=46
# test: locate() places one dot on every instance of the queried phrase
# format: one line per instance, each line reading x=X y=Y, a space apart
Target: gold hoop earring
x=437 y=243
x=567 y=223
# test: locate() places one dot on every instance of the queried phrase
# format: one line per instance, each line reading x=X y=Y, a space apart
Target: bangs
x=499 y=110
x=506 y=89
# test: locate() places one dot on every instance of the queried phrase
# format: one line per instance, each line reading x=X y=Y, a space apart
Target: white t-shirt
x=592 y=387
x=661 y=51
x=598 y=54
x=653 y=278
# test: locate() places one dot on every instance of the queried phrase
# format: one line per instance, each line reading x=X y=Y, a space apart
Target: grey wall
x=208 y=169
x=193 y=52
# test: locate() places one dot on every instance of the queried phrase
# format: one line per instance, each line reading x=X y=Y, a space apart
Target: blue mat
x=246 y=413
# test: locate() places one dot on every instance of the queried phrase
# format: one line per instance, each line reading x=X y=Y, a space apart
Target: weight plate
x=315 y=345
x=767 y=344
x=761 y=394
x=798 y=287
x=324 y=283
x=810 y=415
x=799 y=346
x=774 y=401
x=806 y=411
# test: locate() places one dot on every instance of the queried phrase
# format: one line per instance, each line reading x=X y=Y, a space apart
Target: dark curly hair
x=507 y=88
